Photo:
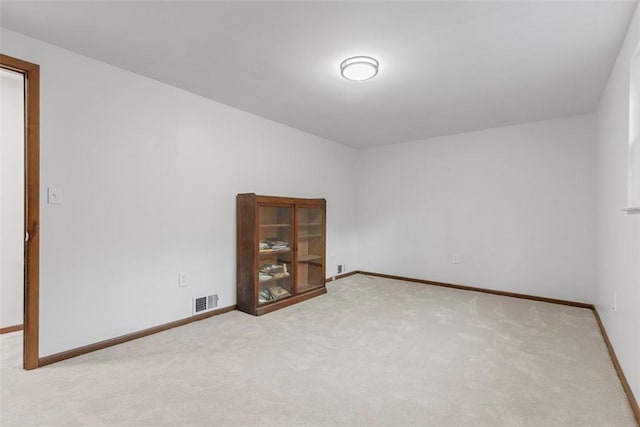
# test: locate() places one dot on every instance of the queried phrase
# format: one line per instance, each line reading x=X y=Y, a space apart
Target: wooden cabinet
x=280 y=251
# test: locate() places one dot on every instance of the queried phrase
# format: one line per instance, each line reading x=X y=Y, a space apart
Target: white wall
x=149 y=176
x=515 y=203
x=12 y=200
x=618 y=233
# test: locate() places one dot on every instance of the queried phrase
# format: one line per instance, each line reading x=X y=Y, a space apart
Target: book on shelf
x=272 y=294
x=272 y=271
x=272 y=244
x=279 y=292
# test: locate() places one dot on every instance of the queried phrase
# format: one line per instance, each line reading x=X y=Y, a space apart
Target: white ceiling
x=446 y=67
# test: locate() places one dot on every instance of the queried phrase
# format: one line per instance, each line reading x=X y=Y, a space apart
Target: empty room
x=319 y=213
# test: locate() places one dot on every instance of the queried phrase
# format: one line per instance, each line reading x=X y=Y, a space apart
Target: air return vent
x=204 y=304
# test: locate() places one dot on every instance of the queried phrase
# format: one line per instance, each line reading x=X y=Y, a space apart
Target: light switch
x=54 y=195
x=183 y=280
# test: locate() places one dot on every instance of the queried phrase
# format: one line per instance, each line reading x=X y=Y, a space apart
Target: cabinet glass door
x=310 y=247
x=274 y=259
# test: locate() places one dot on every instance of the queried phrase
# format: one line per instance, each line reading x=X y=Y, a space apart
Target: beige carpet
x=371 y=352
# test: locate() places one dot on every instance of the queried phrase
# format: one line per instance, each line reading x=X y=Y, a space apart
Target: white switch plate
x=54 y=195
x=183 y=280
x=455 y=259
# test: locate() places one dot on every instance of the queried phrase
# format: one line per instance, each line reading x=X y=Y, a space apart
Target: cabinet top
x=258 y=198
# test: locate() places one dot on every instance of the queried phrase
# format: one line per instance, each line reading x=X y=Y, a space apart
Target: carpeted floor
x=372 y=352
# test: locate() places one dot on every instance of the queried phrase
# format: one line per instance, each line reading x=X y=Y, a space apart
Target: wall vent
x=204 y=304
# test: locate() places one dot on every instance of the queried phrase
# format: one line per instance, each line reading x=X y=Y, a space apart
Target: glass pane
x=310 y=249
x=274 y=260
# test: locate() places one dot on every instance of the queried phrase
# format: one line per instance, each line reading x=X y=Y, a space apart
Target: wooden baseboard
x=340 y=276
x=7 y=329
x=483 y=290
x=614 y=359
x=57 y=357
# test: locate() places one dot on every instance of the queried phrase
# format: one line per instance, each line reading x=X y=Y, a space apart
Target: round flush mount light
x=359 y=68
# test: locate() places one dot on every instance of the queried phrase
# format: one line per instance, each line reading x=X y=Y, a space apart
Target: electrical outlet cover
x=183 y=280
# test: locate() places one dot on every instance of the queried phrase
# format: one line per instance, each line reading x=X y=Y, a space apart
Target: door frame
x=31 y=73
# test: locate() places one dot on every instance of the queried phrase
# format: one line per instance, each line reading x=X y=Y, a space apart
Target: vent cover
x=206 y=303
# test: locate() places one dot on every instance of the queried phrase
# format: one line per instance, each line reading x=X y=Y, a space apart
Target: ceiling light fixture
x=359 y=68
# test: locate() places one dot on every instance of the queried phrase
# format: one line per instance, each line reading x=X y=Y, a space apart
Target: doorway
x=12 y=200
x=31 y=222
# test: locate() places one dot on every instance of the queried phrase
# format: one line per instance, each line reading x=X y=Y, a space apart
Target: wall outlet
x=183 y=280
x=455 y=259
x=614 y=307
x=340 y=268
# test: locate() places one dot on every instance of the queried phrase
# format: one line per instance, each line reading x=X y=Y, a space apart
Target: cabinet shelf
x=272 y=251
x=298 y=223
x=273 y=279
x=309 y=257
x=309 y=236
x=308 y=286
x=272 y=301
